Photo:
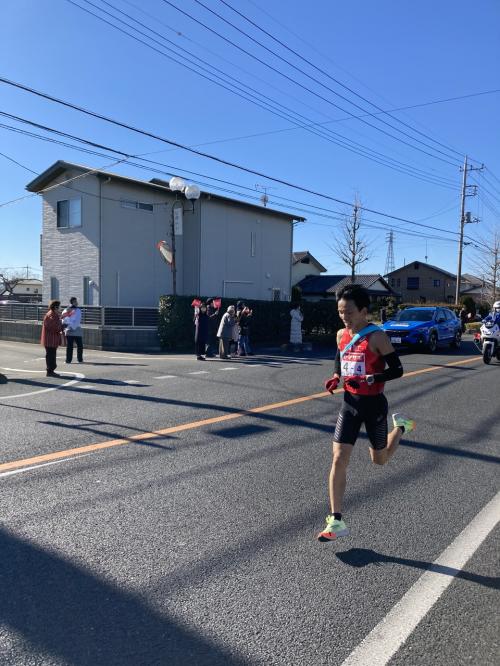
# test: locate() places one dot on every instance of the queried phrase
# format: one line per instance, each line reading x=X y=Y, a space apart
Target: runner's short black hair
x=356 y=293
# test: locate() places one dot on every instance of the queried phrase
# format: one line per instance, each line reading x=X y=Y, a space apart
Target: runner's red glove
x=332 y=383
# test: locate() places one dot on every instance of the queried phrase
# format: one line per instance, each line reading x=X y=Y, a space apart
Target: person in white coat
x=296 y=326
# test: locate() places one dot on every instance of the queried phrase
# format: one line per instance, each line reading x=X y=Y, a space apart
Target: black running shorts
x=358 y=409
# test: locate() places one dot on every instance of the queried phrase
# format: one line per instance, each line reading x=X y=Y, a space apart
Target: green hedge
x=270 y=322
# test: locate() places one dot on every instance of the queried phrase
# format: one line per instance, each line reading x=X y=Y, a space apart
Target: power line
x=289 y=78
x=192 y=150
x=16 y=162
x=345 y=87
x=267 y=103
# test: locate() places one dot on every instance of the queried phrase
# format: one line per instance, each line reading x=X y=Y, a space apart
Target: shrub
x=270 y=324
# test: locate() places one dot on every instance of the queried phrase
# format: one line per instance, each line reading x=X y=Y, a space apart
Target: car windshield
x=415 y=315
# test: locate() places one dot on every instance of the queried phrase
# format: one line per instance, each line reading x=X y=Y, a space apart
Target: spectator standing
x=201 y=322
x=226 y=331
x=52 y=336
x=212 y=314
x=72 y=319
x=296 y=326
x=244 y=332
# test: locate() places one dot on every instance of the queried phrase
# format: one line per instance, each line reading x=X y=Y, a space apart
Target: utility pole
x=464 y=219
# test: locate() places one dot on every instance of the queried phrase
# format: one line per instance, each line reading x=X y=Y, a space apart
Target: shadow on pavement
x=62 y=610
x=110 y=435
x=362 y=557
x=451 y=451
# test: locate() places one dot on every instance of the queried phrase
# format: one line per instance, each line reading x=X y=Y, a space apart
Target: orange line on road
x=35 y=460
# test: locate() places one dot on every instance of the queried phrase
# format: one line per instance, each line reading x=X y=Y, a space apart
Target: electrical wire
x=268 y=104
x=156 y=163
x=309 y=77
x=337 y=81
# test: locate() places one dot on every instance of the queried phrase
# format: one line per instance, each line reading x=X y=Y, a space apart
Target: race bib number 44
x=353 y=364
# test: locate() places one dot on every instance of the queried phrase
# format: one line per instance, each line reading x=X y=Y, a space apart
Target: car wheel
x=432 y=343
x=457 y=341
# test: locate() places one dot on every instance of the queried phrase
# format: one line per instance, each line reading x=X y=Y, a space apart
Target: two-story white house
x=101 y=230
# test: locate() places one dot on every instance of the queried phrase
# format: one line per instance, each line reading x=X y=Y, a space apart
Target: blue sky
x=394 y=54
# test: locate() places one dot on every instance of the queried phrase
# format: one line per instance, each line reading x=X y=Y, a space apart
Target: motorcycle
x=487 y=340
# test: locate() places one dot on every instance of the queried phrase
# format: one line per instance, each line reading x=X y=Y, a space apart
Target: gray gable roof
x=299 y=257
x=422 y=263
x=59 y=167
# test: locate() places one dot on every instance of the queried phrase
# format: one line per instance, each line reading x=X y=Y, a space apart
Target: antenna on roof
x=264 y=199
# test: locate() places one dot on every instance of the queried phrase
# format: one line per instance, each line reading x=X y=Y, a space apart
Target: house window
x=398 y=282
x=69 y=213
x=54 y=288
x=276 y=294
x=412 y=283
x=137 y=205
x=253 y=243
x=393 y=282
x=86 y=290
x=437 y=283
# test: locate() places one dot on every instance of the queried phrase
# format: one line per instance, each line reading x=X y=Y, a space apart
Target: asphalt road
x=196 y=544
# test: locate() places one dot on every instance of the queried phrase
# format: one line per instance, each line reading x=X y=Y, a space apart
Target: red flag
x=217 y=303
x=166 y=252
x=196 y=303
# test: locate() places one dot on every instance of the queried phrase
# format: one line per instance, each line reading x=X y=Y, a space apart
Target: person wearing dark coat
x=201 y=322
x=213 y=313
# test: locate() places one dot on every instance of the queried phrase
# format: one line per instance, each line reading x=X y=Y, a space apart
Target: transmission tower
x=389 y=262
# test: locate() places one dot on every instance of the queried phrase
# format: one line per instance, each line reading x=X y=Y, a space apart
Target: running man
x=363 y=352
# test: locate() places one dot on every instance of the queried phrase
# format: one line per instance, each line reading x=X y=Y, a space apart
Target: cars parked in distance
x=424 y=327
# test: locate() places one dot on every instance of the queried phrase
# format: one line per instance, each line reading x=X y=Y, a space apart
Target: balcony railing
x=115 y=317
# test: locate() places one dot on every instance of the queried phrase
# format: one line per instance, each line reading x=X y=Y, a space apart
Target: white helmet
x=496 y=307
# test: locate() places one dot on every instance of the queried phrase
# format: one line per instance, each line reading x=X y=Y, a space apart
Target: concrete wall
x=244 y=252
x=70 y=254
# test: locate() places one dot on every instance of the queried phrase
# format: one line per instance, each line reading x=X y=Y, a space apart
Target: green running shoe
x=401 y=421
x=334 y=528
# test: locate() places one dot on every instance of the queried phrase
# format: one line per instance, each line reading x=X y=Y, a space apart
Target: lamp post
x=192 y=193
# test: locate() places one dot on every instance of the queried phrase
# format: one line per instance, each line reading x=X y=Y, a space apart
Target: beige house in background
x=100 y=235
x=418 y=282
x=304 y=265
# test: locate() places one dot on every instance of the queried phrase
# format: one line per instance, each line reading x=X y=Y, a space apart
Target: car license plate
x=396 y=341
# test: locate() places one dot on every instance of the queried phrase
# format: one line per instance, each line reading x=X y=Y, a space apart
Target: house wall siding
x=69 y=254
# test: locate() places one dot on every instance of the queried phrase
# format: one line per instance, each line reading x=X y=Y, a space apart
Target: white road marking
x=53 y=462
x=223 y=369
x=77 y=375
x=165 y=377
x=199 y=372
x=131 y=381
x=382 y=643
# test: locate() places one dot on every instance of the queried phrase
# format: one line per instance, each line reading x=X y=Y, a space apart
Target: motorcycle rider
x=494 y=315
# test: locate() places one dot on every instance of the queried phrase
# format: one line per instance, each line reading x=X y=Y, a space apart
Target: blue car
x=424 y=327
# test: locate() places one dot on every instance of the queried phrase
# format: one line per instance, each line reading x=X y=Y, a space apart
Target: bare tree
x=486 y=264
x=351 y=247
x=8 y=282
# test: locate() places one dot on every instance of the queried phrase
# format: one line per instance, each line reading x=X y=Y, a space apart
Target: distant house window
x=412 y=283
x=54 y=288
x=276 y=294
x=393 y=282
x=398 y=282
x=437 y=283
x=69 y=213
x=253 y=243
x=137 y=205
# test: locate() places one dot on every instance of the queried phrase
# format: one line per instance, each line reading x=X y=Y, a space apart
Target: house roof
x=306 y=258
x=330 y=284
x=472 y=279
x=422 y=263
x=59 y=167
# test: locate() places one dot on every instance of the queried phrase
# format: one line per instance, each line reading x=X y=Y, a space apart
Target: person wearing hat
x=52 y=330
x=225 y=332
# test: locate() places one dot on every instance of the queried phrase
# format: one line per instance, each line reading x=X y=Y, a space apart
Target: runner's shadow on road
x=362 y=557
x=451 y=451
x=64 y=610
